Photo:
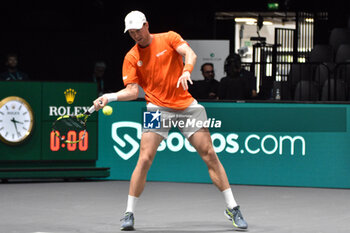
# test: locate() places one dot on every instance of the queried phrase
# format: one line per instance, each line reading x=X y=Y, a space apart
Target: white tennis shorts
x=188 y=121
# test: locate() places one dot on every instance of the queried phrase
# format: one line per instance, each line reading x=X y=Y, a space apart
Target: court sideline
x=97 y=206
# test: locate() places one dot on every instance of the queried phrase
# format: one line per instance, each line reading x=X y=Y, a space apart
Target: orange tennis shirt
x=157 y=69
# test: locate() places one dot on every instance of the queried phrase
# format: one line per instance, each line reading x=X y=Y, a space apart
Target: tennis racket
x=67 y=123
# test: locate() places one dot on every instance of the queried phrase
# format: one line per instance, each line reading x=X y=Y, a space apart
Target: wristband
x=111 y=97
x=188 y=67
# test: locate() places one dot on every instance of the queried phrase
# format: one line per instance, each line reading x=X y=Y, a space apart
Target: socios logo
x=231 y=143
x=126 y=138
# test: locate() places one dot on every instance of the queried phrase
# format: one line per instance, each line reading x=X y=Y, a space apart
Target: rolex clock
x=16 y=120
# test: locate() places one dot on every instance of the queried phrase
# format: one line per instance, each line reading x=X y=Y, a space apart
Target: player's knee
x=209 y=156
x=145 y=161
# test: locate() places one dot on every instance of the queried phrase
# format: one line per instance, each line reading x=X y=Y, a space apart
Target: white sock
x=131 y=204
x=229 y=199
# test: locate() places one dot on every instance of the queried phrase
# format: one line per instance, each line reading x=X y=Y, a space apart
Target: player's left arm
x=190 y=60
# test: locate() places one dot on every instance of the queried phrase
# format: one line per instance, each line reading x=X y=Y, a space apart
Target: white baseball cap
x=134 y=20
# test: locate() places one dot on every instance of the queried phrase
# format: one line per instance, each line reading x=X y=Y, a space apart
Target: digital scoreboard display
x=30 y=108
x=56 y=144
x=67 y=99
x=48 y=101
x=54 y=149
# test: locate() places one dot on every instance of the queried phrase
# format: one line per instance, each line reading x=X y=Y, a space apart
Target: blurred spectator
x=239 y=84
x=12 y=73
x=98 y=76
x=207 y=88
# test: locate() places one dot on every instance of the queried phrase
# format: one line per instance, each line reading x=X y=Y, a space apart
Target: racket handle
x=92 y=108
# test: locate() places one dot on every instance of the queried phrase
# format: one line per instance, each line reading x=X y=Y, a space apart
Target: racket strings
x=64 y=125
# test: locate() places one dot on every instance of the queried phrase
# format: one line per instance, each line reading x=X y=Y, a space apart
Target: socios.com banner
x=258 y=143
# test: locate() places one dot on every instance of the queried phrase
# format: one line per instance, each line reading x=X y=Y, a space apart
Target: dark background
x=61 y=40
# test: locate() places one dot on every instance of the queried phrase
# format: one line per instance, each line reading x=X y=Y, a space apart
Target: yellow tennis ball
x=107 y=110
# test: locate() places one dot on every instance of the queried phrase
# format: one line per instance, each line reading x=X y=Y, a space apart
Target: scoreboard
x=48 y=101
x=65 y=99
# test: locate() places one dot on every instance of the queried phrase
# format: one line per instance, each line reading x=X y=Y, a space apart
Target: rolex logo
x=70 y=95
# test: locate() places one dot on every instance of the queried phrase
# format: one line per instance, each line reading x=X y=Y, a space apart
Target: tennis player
x=156 y=64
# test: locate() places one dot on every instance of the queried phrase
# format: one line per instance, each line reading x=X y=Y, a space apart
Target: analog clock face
x=16 y=120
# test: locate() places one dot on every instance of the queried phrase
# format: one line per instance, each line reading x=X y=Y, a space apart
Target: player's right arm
x=130 y=92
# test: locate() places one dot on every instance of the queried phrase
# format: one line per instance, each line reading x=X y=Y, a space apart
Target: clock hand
x=15 y=123
x=14 y=120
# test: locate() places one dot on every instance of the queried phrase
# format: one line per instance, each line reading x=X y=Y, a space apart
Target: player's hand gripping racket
x=67 y=123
